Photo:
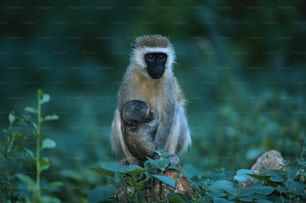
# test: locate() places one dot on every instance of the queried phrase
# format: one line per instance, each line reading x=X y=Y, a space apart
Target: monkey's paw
x=174 y=159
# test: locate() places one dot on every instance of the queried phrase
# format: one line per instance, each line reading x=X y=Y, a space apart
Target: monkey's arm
x=118 y=141
x=179 y=137
x=173 y=134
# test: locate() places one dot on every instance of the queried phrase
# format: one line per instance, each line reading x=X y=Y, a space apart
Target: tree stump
x=150 y=188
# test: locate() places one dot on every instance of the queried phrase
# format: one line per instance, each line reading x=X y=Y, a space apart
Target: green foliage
x=286 y=185
x=11 y=151
x=15 y=149
x=249 y=126
x=17 y=158
x=134 y=178
x=270 y=186
x=101 y=194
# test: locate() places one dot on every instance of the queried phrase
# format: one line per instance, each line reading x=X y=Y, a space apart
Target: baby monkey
x=139 y=128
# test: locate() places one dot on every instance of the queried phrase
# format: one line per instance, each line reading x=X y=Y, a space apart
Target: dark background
x=241 y=65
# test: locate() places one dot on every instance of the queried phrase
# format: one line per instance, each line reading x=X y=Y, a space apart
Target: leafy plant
x=12 y=151
x=286 y=185
x=132 y=180
x=18 y=185
x=22 y=128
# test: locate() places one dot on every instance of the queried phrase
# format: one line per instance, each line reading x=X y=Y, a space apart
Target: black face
x=156 y=64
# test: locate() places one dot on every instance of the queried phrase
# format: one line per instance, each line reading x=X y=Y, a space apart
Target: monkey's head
x=136 y=111
x=153 y=55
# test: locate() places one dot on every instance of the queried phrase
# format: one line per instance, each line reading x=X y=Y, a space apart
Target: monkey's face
x=155 y=64
x=153 y=61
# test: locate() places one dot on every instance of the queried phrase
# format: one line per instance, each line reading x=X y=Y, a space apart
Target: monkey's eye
x=150 y=57
x=162 y=57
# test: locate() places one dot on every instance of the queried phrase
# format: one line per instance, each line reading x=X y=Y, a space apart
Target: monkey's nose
x=156 y=72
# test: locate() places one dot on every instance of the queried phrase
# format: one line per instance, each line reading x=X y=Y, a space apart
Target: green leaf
x=26 y=179
x=275 y=175
x=277 y=178
x=243 y=175
x=244 y=192
x=45 y=98
x=34 y=125
x=51 y=117
x=131 y=169
x=11 y=117
x=30 y=153
x=48 y=144
x=165 y=179
x=301 y=161
x=280 y=189
x=177 y=198
x=222 y=187
x=101 y=194
x=71 y=174
x=45 y=198
x=160 y=164
x=221 y=200
x=44 y=163
x=295 y=188
x=260 y=177
x=111 y=168
x=192 y=171
x=54 y=185
x=246 y=199
x=30 y=110
x=103 y=171
x=264 y=201
x=264 y=190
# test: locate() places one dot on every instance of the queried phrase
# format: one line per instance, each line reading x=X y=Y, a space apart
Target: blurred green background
x=241 y=65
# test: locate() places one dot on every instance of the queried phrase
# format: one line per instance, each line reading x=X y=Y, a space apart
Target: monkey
x=150 y=78
x=139 y=127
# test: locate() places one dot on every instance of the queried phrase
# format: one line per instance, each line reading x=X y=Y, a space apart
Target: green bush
x=16 y=152
x=24 y=167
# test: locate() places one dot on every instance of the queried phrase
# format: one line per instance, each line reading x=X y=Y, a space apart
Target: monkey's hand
x=174 y=160
x=139 y=129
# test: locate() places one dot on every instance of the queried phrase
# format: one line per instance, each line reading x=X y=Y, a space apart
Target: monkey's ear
x=133 y=46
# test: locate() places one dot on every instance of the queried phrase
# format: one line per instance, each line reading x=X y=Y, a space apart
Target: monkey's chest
x=155 y=97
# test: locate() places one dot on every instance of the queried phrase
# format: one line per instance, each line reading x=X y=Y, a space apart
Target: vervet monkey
x=149 y=78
